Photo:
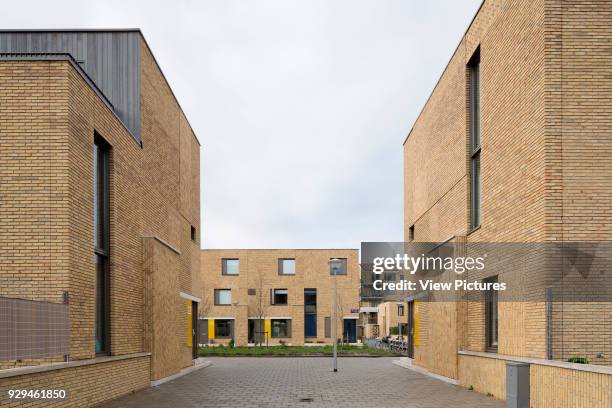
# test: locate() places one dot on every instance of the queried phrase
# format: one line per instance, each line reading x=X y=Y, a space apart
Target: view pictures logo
x=412 y=264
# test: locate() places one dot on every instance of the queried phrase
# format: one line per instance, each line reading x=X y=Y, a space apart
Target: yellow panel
x=189 y=325
x=211 y=329
x=416 y=324
x=268 y=327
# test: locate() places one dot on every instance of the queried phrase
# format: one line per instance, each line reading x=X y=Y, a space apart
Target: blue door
x=350 y=330
x=310 y=325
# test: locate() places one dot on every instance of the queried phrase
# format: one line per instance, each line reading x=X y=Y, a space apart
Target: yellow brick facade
x=48 y=116
x=546 y=176
x=259 y=271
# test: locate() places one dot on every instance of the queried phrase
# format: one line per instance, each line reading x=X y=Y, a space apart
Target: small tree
x=203 y=309
x=261 y=307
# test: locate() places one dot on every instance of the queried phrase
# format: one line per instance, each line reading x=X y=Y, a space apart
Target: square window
x=223 y=297
x=281 y=328
x=230 y=266
x=280 y=296
x=340 y=269
x=223 y=328
x=286 y=266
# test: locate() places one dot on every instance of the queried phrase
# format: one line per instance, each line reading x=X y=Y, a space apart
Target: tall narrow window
x=101 y=153
x=310 y=312
x=474 y=113
x=491 y=317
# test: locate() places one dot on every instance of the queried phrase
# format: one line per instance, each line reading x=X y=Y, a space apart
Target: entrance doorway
x=194 y=330
x=256 y=331
x=350 y=330
x=310 y=313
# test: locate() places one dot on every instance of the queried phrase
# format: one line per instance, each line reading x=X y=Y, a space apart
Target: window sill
x=473 y=230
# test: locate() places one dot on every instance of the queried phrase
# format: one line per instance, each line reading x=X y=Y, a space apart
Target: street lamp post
x=335 y=265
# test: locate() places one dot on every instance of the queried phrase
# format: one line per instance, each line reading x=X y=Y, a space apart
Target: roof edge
x=445 y=68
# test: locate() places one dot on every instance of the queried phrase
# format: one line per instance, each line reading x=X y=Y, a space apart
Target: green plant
x=394 y=330
x=231 y=343
x=578 y=360
x=471 y=388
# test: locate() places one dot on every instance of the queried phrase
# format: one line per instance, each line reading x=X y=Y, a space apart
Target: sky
x=301 y=107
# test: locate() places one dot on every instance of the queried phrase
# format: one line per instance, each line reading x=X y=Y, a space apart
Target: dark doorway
x=310 y=313
x=194 y=330
x=350 y=330
x=256 y=331
x=411 y=329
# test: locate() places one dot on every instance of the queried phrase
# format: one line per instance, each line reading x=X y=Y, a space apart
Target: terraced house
x=99 y=216
x=514 y=145
x=276 y=296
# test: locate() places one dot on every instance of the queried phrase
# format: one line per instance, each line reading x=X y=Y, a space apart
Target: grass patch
x=280 y=351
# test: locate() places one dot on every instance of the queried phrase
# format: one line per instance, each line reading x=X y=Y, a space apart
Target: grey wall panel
x=111 y=59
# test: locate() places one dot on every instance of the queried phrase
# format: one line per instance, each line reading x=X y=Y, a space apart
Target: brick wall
x=312 y=271
x=85 y=386
x=48 y=117
x=545 y=112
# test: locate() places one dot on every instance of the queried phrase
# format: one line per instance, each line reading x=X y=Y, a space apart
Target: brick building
x=513 y=145
x=99 y=216
x=277 y=296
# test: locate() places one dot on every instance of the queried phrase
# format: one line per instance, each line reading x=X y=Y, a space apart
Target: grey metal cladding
x=110 y=58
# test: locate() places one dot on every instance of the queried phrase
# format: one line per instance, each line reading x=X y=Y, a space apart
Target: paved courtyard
x=304 y=382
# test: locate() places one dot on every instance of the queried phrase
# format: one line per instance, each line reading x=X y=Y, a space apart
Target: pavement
x=305 y=382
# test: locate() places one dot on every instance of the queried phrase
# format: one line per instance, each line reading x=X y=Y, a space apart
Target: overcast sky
x=301 y=106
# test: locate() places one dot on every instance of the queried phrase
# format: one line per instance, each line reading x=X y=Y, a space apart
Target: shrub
x=231 y=343
x=578 y=360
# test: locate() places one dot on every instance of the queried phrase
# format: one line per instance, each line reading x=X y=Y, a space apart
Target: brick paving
x=304 y=382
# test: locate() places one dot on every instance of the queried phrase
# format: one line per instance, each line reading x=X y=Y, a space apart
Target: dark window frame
x=224 y=266
x=475 y=140
x=288 y=328
x=216 y=298
x=101 y=223
x=273 y=295
x=281 y=269
x=411 y=233
x=229 y=323
x=491 y=317
x=194 y=233
x=310 y=309
x=400 y=310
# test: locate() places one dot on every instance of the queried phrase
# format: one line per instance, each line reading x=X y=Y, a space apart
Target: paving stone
x=284 y=382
